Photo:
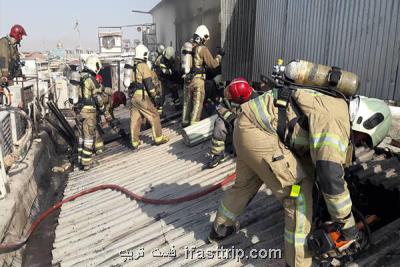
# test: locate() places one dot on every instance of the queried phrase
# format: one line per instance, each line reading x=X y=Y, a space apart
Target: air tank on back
x=128 y=69
x=309 y=73
x=74 y=87
x=187 y=57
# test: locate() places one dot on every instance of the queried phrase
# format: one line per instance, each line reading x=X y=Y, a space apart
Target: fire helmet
x=238 y=91
x=93 y=64
x=169 y=53
x=203 y=33
x=160 y=49
x=370 y=116
x=141 y=52
x=17 y=31
x=118 y=98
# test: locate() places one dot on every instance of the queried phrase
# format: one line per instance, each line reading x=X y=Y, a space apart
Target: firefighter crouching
x=142 y=93
x=90 y=140
x=165 y=69
x=195 y=58
x=282 y=138
x=107 y=101
x=235 y=94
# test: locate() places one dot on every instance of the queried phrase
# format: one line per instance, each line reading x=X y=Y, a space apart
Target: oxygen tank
x=74 y=87
x=128 y=69
x=309 y=73
x=187 y=57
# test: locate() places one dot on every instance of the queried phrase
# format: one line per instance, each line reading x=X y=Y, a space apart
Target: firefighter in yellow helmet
x=142 y=92
x=284 y=137
x=194 y=91
x=89 y=137
x=165 y=69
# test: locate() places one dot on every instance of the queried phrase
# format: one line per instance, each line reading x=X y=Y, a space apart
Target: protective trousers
x=193 y=98
x=263 y=159
x=143 y=107
x=219 y=137
x=89 y=136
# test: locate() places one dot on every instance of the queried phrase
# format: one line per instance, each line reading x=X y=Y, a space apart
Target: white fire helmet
x=141 y=52
x=93 y=63
x=169 y=53
x=203 y=33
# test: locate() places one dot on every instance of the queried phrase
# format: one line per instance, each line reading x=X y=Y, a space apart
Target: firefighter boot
x=135 y=144
x=221 y=232
x=161 y=140
x=215 y=160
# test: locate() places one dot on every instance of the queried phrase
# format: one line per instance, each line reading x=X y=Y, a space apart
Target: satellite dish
x=139 y=29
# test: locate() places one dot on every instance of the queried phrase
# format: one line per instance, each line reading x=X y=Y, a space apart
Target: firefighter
x=107 y=102
x=142 y=92
x=165 y=69
x=282 y=138
x=10 y=64
x=90 y=140
x=194 y=90
x=235 y=94
x=159 y=52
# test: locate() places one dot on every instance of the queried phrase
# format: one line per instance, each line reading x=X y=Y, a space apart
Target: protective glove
x=221 y=51
x=131 y=90
x=158 y=101
x=167 y=71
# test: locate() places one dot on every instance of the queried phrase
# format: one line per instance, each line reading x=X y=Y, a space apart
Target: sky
x=50 y=21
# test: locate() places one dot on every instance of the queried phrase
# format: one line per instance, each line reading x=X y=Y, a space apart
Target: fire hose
x=9 y=247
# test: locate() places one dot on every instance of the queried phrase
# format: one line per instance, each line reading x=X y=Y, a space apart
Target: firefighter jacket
x=9 y=59
x=164 y=68
x=318 y=125
x=228 y=110
x=90 y=90
x=142 y=79
x=202 y=58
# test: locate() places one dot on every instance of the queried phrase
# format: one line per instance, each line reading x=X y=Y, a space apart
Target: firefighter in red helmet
x=236 y=93
x=10 y=64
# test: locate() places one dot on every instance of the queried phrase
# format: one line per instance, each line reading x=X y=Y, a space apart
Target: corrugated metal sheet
x=269 y=39
x=238 y=23
x=361 y=36
x=94 y=229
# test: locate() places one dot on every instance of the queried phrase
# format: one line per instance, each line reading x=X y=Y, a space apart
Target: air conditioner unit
x=110 y=42
x=61 y=93
x=21 y=96
x=5 y=132
x=18 y=126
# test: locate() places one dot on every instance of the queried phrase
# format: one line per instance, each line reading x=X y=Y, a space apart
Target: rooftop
x=94 y=229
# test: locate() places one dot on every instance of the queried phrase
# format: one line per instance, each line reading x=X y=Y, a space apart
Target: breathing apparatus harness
x=326 y=239
x=134 y=86
x=284 y=88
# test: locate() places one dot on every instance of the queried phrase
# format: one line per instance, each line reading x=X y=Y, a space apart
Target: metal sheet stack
x=199 y=132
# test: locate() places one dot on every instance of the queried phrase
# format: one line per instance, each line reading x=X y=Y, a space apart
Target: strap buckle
x=334 y=76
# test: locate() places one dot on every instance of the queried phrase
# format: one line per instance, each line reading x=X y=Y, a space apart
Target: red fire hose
x=8 y=247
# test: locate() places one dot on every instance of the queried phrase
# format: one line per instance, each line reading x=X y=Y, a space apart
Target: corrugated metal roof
x=94 y=229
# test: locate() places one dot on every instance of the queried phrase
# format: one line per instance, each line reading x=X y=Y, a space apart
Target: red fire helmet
x=118 y=98
x=99 y=78
x=238 y=91
x=17 y=31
